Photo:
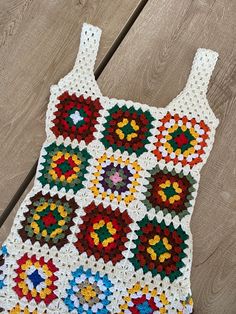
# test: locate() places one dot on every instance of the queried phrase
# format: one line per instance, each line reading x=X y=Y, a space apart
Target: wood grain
x=39 y=42
x=151 y=66
x=6 y=227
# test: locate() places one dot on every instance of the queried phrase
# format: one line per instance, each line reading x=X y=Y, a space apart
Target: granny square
x=181 y=140
x=76 y=117
x=141 y=298
x=127 y=129
x=48 y=220
x=159 y=248
x=17 y=309
x=103 y=232
x=64 y=167
x=35 y=279
x=115 y=178
x=170 y=191
x=88 y=292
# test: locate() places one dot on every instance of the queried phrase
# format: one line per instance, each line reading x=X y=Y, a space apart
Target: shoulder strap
x=89 y=44
x=201 y=71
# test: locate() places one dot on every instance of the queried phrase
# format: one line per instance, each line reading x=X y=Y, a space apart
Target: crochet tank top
x=106 y=226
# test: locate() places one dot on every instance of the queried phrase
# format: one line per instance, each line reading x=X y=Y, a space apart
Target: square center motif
x=103 y=233
x=64 y=167
x=170 y=192
x=127 y=129
x=181 y=140
x=115 y=178
x=76 y=117
x=159 y=248
x=48 y=220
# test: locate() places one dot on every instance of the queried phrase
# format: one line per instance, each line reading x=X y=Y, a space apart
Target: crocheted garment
x=106 y=226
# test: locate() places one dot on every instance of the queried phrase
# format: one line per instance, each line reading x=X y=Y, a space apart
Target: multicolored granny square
x=159 y=248
x=115 y=178
x=76 y=117
x=64 y=167
x=3 y=254
x=17 y=309
x=169 y=191
x=36 y=279
x=127 y=129
x=48 y=220
x=181 y=140
x=140 y=299
x=103 y=233
x=143 y=300
x=88 y=292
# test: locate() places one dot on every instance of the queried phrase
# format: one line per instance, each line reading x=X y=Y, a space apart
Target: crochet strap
x=89 y=44
x=202 y=68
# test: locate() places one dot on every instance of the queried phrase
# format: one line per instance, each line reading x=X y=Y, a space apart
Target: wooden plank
x=6 y=227
x=39 y=41
x=151 y=66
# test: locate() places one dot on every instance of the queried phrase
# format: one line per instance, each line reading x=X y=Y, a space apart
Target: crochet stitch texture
x=106 y=226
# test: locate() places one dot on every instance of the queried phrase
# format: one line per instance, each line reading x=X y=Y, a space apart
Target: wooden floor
x=145 y=55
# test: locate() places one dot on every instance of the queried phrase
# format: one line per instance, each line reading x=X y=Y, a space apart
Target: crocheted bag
x=106 y=226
